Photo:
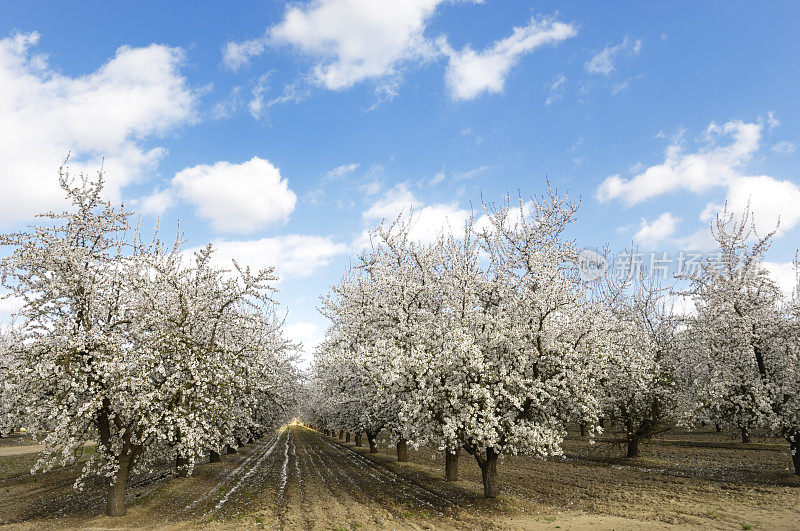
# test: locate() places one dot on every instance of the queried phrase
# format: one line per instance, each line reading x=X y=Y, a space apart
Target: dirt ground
x=300 y=479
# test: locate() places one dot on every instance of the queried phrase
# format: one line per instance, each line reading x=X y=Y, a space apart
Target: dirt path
x=299 y=479
x=6 y=451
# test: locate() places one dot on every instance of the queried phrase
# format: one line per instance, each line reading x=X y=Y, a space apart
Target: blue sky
x=282 y=131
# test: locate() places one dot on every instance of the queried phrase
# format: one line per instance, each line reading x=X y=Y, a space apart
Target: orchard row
x=489 y=341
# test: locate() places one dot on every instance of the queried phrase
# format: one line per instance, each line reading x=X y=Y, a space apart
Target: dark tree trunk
x=373 y=442
x=341 y=434
x=602 y=422
x=358 y=439
x=794 y=445
x=633 y=447
x=214 y=457
x=745 y=435
x=115 y=500
x=718 y=427
x=488 y=466
x=402 y=450
x=583 y=429
x=451 y=465
x=632 y=436
x=347 y=437
x=231 y=450
x=180 y=466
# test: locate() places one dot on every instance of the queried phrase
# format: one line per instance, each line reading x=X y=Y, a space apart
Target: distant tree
x=742 y=356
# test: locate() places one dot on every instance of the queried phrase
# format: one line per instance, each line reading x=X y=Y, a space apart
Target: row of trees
x=490 y=342
x=152 y=354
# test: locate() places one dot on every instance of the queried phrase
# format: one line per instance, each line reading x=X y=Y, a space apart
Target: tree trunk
x=794 y=445
x=214 y=457
x=451 y=465
x=341 y=434
x=489 y=473
x=402 y=451
x=745 y=435
x=583 y=429
x=347 y=437
x=358 y=439
x=231 y=450
x=718 y=427
x=632 y=436
x=180 y=466
x=373 y=443
x=633 y=447
x=115 y=500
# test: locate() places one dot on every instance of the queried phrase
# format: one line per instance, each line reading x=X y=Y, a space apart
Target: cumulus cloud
x=348 y=41
x=156 y=203
x=697 y=172
x=111 y=113
x=603 y=61
x=784 y=275
x=471 y=73
x=772 y=202
x=427 y=221
x=293 y=255
x=234 y=197
x=657 y=230
x=352 y=41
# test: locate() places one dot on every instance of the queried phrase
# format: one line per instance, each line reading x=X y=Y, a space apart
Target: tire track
x=192 y=509
x=413 y=490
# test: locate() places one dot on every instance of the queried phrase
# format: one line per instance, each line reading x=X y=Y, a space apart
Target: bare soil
x=300 y=479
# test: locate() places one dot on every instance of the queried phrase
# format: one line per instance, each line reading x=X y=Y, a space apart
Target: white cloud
x=603 y=61
x=347 y=41
x=394 y=202
x=238 y=54
x=784 y=147
x=770 y=201
x=341 y=171
x=352 y=41
x=293 y=255
x=110 y=113
x=470 y=73
x=784 y=275
x=427 y=221
x=470 y=174
x=240 y=198
x=772 y=120
x=309 y=334
x=439 y=177
x=711 y=166
x=556 y=89
x=699 y=240
x=656 y=231
x=9 y=305
x=156 y=203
